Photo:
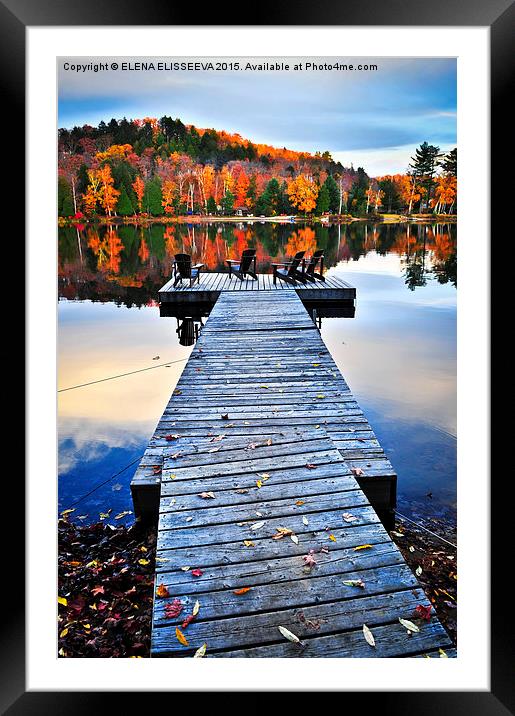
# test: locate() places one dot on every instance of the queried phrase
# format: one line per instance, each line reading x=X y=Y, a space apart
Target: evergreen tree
x=211 y=205
x=64 y=198
x=334 y=194
x=252 y=193
x=270 y=202
x=322 y=200
x=392 y=199
x=228 y=203
x=124 y=206
x=285 y=203
x=152 y=198
x=449 y=163
x=423 y=166
x=358 y=193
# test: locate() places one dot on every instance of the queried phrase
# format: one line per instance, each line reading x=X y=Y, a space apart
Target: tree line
x=163 y=167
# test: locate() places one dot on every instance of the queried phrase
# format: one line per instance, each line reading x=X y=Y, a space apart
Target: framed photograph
x=258 y=354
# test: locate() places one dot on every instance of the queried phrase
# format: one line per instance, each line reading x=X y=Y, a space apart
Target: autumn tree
x=303 y=193
x=139 y=189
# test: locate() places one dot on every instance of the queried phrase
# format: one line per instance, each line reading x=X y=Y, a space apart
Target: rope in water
x=426 y=529
x=121 y=375
x=104 y=482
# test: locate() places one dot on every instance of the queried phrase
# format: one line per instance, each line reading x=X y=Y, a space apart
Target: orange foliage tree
x=303 y=193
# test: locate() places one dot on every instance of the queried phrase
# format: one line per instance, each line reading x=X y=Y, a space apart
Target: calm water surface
x=398 y=354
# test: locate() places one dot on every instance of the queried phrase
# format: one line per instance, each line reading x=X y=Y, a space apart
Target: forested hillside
x=161 y=167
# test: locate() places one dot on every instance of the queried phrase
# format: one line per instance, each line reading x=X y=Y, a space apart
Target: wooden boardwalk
x=212 y=284
x=262 y=437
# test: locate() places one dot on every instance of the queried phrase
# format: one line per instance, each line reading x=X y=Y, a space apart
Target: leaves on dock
x=180 y=637
x=173 y=609
x=200 y=652
x=409 y=625
x=207 y=495
x=162 y=591
x=369 y=637
x=243 y=590
x=354 y=583
x=289 y=635
x=197 y=572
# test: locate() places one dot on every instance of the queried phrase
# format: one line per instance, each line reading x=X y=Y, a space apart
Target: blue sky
x=369 y=119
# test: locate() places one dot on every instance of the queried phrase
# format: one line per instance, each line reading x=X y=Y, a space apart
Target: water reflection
x=398 y=354
x=127 y=264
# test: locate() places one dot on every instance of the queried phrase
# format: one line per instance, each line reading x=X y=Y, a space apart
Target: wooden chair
x=246 y=265
x=182 y=269
x=310 y=267
x=290 y=271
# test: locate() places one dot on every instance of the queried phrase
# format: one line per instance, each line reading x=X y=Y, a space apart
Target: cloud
x=404 y=102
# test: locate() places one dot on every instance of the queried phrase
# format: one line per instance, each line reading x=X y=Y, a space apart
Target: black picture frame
x=498 y=15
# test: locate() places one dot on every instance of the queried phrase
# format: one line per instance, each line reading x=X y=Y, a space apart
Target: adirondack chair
x=310 y=267
x=182 y=269
x=246 y=265
x=290 y=270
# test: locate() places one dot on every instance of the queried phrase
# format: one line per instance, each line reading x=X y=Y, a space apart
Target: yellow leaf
x=200 y=652
x=259 y=483
x=63 y=633
x=363 y=546
x=320 y=396
x=263 y=386
x=299 y=502
x=180 y=637
x=196 y=608
x=332 y=538
x=63 y=601
x=316 y=365
x=67 y=512
x=248 y=543
x=442 y=653
x=143 y=561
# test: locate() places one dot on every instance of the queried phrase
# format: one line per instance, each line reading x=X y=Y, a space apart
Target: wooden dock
x=211 y=285
x=254 y=467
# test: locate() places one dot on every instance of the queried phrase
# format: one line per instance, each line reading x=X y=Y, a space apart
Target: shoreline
x=197 y=219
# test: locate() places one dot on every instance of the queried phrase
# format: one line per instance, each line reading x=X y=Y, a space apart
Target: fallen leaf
x=409 y=625
x=243 y=590
x=299 y=502
x=311 y=466
x=357 y=471
x=332 y=538
x=207 y=495
x=257 y=525
x=216 y=449
x=98 y=590
x=396 y=534
x=200 y=652
x=348 y=517
x=123 y=514
x=424 y=612
x=289 y=635
x=305 y=520
x=418 y=571
x=248 y=543
x=173 y=609
x=259 y=483
x=188 y=621
x=196 y=572
x=321 y=396
x=180 y=637
x=162 y=591
x=442 y=653
x=368 y=635
x=196 y=608
x=63 y=601
x=63 y=633
x=263 y=386
x=67 y=512
x=225 y=416
x=282 y=532
x=294 y=538
x=185 y=569
x=143 y=561
x=363 y=546
x=355 y=583
x=309 y=560
x=217 y=439
x=264 y=476
x=171 y=436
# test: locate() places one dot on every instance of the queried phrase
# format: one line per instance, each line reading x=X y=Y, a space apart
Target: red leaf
x=98 y=590
x=311 y=466
x=196 y=572
x=424 y=612
x=188 y=620
x=173 y=609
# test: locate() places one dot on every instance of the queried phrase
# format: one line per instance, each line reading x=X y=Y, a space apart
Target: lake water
x=398 y=353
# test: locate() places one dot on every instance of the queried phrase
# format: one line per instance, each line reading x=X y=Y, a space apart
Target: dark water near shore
x=398 y=354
